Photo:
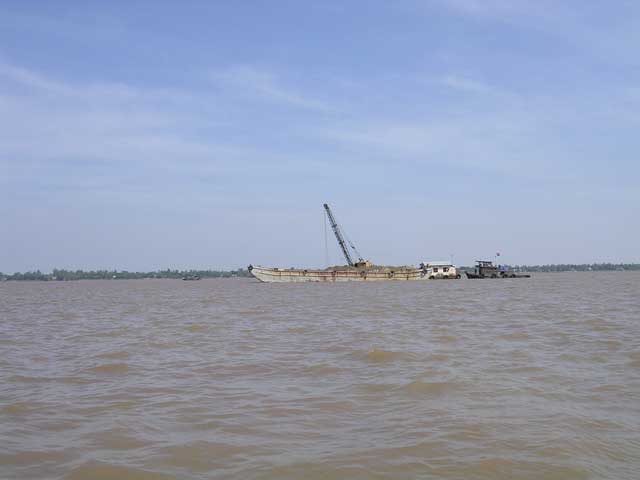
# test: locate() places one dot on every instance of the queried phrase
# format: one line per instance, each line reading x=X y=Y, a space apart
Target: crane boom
x=339 y=236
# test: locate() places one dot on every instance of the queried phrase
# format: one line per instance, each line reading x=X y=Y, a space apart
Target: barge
x=355 y=271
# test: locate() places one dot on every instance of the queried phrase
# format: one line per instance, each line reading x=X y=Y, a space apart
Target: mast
x=339 y=236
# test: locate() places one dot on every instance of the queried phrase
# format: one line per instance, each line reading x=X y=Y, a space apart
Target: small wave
x=33 y=457
x=163 y=345
x=211 y=425
x=246 y=369
x=335 y=406
x=383 y=356
x=20 y=408
x=599 y=358
x=418 y=387
x=520 y=355
x=515 y=336
x=120 y=332
x=273 y=411
x=28 y=379
x=202 y=456
x=322 y=369
x=438 y=357
x=376 y=387
x=447 y=339
x=321 y=470
x=67 y=380
x=609 y=387
x=116 y=440
x=525 y=369
x=598 y=424
x=104 y=471
x=118 y=355
x=600 y=324
x=610 y=345
x=570 y=357
x=469 y=432
x=107 y=407
x=110 y=368
x=506 y=468
x=196 y=328
x=73 y=380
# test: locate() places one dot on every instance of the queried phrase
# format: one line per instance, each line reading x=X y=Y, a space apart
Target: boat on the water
x=486 y=269
x=191 y=277
x=355 y=271
x=371 y=273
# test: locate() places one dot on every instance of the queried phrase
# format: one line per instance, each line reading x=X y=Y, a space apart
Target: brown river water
x=231 y=378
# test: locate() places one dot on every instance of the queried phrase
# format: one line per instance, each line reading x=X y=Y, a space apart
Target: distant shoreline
x=68 y=275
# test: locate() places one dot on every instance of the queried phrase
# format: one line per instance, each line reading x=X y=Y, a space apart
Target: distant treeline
x=62 y=275
x=568 y=267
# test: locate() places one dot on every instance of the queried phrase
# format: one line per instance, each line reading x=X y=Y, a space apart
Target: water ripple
x=161 y=379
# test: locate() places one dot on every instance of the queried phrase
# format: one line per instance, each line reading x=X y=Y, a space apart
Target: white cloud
x=469 y=85
x=507 y=10
x=159 y=131
x=46 y=125
x=104 y=92
x=606 y=31
x=491 y=142
x=264 y=84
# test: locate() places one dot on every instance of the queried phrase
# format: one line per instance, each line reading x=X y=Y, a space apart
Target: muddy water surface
x=162 y=379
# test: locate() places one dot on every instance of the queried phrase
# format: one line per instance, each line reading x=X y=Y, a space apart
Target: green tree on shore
x=65 y=275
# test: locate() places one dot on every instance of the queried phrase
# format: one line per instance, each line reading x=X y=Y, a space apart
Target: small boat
x=191 y=277
x=486 y=269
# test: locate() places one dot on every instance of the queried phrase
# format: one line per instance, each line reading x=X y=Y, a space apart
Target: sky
x=142 y=135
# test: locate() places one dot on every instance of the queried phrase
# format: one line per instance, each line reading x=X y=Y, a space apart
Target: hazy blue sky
x=143 y=135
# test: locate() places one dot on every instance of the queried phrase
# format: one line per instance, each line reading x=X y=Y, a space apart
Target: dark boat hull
x=472 y=275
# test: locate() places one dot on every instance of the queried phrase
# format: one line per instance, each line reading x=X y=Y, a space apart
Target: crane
x=340 y=236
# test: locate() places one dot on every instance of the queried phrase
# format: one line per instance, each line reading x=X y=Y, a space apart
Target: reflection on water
x=160 y=379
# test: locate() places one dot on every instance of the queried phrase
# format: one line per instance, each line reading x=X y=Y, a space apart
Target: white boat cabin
x=434 y=270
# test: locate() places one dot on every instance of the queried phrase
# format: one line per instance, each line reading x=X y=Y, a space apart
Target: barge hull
x=282 y=275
